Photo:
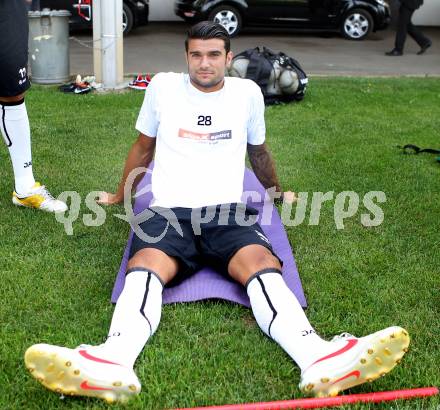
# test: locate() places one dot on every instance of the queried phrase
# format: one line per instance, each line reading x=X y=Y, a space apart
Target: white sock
x=281 y=317
x=135 y=319
x=14 y=125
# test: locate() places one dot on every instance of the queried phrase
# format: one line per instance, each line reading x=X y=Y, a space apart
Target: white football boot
x=39 y=197
x=355 y=361
x=76 y=372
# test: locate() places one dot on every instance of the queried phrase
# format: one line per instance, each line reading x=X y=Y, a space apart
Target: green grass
x=342 y=137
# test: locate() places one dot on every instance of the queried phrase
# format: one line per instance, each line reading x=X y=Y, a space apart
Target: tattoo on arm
x=263 y=166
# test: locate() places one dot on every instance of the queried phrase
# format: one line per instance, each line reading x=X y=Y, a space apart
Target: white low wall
x=428 y=14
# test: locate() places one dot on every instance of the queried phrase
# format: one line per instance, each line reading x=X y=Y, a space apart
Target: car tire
x=127 y=19
x=356 y=24
x=229 y=17
x=190 y=20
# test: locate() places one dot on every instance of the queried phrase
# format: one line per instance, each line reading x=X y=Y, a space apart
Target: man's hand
x=289 y=197
x=107 y=198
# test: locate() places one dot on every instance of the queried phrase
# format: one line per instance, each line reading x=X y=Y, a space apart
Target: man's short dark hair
x=206 y=30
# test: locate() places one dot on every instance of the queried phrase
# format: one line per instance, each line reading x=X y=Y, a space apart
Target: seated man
x=200 y=125
x=14 y=123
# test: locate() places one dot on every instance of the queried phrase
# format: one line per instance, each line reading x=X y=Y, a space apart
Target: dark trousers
x=405 y=26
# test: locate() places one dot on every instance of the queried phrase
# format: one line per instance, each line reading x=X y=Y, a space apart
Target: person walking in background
x=405 y=26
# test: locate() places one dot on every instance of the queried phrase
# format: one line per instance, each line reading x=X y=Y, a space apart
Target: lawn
x=342 y=137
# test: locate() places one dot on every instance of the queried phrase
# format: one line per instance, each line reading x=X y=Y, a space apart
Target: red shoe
x=140 y=82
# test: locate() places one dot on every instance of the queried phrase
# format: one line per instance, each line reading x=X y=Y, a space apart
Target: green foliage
x=342 y=137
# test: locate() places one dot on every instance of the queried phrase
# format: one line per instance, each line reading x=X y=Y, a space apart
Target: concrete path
x=160 y=47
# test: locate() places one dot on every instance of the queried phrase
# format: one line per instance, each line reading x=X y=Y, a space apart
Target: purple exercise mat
x=207 y=283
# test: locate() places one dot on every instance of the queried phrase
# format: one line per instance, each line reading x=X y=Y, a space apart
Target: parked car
x=134 y=13
x=354 y=18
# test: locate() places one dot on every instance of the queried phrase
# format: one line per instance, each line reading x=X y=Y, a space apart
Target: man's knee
x=155 y=260
x=251 y=259
x=265 y=259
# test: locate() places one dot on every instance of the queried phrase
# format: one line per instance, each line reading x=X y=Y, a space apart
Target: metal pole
x=97 y=44
x=108 y=43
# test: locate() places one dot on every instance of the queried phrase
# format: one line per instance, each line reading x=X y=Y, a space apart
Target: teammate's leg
x=14 y=122
x=16 y=134
x=14 y=126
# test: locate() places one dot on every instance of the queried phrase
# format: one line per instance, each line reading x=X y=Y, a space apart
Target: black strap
x=414 y=149
x=7 y=138
x=12 y=103
x=259 y=69
x=288 y=62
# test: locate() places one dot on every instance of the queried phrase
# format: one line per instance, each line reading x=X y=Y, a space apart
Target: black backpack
x=262 y=64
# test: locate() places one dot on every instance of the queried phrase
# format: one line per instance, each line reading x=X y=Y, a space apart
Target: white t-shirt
x=201 y=138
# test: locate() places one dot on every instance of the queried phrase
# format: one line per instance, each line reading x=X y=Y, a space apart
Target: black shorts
x=14 y=32
x=209 y=236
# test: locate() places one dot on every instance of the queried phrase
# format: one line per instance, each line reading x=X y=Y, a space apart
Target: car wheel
x=127 y=19
x=357 y=24
x=190 y=20
x=229 y=17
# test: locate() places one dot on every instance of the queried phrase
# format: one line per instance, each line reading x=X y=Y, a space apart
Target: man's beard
x=212 y=83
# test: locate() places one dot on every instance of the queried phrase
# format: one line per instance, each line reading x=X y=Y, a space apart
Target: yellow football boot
x=39 y=197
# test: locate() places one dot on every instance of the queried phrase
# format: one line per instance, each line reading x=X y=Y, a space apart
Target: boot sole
x=58 y=370
x=377 y=358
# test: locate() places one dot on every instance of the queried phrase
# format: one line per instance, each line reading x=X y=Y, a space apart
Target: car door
x=323 y=13
x=278 y=11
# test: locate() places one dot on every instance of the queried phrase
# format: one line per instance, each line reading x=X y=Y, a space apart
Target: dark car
x=134 y=13
x=354 y=18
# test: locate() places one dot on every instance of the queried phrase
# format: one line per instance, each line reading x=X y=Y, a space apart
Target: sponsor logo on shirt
x=205 y=136
x=22 y=73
